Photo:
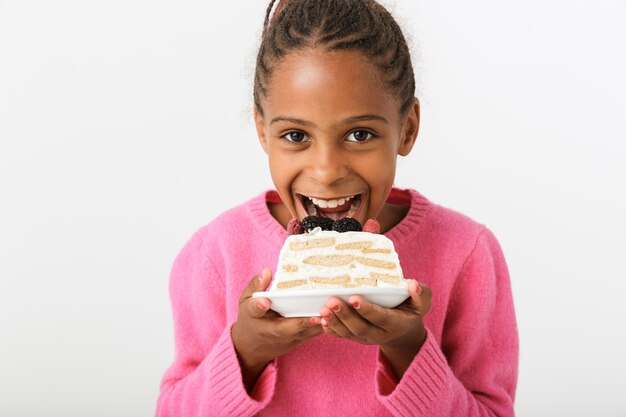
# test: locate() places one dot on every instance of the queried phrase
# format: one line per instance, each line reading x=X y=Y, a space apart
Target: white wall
x=125 y=126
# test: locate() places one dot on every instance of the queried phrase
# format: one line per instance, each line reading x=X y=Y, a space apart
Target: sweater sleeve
x=205 y=378
x=473 y=372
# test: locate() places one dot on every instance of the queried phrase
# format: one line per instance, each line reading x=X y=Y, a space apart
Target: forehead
x=328 y=83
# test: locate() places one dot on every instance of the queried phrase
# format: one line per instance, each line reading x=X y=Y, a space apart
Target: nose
x=328 y=164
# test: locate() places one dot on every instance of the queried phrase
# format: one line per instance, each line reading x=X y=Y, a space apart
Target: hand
x=261 y=335
x=399 y=332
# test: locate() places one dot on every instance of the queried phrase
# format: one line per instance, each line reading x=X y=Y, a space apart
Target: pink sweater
x=467 y=366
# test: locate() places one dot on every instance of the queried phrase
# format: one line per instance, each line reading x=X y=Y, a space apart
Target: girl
x=334 y=107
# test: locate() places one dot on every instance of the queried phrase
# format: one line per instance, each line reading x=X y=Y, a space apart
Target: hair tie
x=269 y=16
x=278 y=6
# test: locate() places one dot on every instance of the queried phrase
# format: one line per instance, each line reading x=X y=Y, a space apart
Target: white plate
x=306 y=303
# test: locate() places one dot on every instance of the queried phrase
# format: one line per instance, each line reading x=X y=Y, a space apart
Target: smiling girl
x=335 y=106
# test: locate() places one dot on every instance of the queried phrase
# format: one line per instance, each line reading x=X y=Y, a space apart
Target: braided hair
x=362 y=25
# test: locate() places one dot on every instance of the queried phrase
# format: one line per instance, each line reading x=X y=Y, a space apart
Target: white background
x=126 y=125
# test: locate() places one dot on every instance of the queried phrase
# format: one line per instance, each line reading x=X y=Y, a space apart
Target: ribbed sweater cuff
x=228 y=383
x=422 y=385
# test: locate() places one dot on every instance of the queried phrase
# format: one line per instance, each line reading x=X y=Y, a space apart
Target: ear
x=260 y=128
x=410 y=128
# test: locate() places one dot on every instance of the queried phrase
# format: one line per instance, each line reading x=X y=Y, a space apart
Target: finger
x=378 y=316
x=297 y=337
x=310 y=332
x=357 y=325
x=257 y=307
x=271 y=314
x=258 y=283
x=421 y=296
x=297 y=327
x=326 y=329
x=315 y=320
x=331 y=316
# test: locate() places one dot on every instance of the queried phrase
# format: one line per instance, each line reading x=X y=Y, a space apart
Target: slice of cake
x=324 y=259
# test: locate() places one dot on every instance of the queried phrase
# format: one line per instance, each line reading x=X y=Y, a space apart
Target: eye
x=295 y=136
x=359 y=136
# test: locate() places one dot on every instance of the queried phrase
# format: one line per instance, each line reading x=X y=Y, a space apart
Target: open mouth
x=331 y=208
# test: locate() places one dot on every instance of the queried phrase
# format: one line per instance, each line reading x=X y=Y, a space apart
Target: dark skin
x=331 y=129
x=261 y=335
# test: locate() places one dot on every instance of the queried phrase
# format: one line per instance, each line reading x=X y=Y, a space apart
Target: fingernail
x=335 y=308
x=325 y=325
x=356 y=305
x=265 y=272
x=261 y=305
x=328 y=316
x=418 y=289
x=314 y=320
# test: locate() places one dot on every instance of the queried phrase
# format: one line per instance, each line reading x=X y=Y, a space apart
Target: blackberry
x=311 y=222
x=347 y=224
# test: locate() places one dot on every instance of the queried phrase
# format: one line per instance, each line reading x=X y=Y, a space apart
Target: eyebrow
x=347 y=121
x=291 y=120
x=363 y=118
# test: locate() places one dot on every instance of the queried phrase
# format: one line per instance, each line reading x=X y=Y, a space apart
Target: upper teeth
x=329 y=203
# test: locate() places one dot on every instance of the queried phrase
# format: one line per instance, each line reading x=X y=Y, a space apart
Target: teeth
x=329 y=203
x=353 y=208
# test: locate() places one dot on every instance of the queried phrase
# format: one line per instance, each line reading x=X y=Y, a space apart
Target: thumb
x=420 y=297
x=259 y=306
x=263 y=281
x=258 y=283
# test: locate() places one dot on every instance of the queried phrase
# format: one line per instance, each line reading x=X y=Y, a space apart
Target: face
x=333 y=133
